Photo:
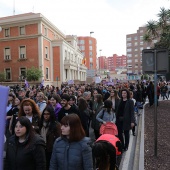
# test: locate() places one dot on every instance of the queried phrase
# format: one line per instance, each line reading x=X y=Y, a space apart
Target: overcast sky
x=110 y=20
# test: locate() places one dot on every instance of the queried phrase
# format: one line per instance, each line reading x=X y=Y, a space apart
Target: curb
x=133 y=159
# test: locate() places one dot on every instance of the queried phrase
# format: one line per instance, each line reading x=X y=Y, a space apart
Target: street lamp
x=91 y=33
x=100 y=62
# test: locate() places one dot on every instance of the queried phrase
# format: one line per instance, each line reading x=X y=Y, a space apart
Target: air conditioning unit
x=22 y=56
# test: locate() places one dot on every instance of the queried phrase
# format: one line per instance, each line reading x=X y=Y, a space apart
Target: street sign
x=148 y=60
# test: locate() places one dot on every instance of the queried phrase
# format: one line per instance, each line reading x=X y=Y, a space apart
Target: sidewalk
x=131 y=156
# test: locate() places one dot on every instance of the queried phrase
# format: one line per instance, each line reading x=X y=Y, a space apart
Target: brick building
x=30 y=39
x=88 y=47
x=134 y=47
x=116 y=62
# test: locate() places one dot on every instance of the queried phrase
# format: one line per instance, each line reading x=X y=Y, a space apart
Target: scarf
x=44 y=130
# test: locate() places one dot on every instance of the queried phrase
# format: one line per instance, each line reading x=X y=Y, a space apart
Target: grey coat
x=128 y=115
x=95 y=124
x=71 y=156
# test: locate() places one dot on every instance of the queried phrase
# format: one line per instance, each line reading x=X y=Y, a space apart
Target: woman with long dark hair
x=97 y=107
x=125 y=119
x=106 y=114
x=50 y=130
x=55 y=103
x=114 y=97
x=25 y=149
x=84 y=113
x=71 y=150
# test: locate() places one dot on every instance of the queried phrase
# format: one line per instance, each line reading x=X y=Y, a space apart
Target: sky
x=110 y=20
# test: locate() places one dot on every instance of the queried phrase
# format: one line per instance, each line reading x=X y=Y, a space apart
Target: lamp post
x=100 y=62
x=91 y=33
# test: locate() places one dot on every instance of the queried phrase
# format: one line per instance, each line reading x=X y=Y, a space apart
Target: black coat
x=19 y=156
x=128 y=115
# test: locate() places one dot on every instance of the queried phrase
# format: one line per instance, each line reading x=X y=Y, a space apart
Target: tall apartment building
x=30 y=39
x=134 y=47
x=88 y=47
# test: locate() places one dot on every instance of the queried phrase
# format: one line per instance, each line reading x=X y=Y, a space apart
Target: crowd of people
x=47 y=128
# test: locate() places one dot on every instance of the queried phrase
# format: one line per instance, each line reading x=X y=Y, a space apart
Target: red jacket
x=111 y=139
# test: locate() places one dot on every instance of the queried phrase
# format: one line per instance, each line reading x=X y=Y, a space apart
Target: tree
x=33 y=74
x=2 y=76
x=159 y=30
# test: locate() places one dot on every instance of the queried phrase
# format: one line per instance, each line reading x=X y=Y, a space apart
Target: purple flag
x=26 y=83
x=42 y=83
x=4 y=99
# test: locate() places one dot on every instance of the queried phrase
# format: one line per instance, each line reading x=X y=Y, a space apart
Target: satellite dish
x=0 y=28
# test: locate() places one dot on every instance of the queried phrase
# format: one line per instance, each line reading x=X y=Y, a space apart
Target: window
x=129 y=55
x=91 y=65
x=22 y=30
x=141 y=31
x=83 y=53
x=45 y=31
x=91 y=60
x=129 y=44
x=65 y=55
x=129 y=39
x=82 y=47
x=7 y=54
x=136 y=43
x=141 y=37
x=90 y=47
x=135 y=38
x=136 y=55
x=90 y=53
x=8 y=73
x=141 y=43
x=6 y=32
x=22 y=52
x=129 y=61
x=136 y=49
x=23 y=73
x=129 y=50
x=147 y=47
x=90 y=41
x=81 y=41
x=136 y=60
x=46 y=52
x=141 y=48
x=47 y=73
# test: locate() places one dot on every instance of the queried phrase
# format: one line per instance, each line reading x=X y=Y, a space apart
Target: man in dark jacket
x=66 y=108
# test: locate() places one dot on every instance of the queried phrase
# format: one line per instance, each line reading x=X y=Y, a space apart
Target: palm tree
x=159 y=30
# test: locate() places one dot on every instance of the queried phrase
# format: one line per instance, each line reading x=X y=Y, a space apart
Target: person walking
x=125 y=119
x=25 y=149
x=97 y=107
x=71 y=151
x=50 y=130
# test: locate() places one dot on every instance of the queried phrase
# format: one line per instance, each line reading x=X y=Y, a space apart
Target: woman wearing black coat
x=50 y=130
x=125 y=119
x=25 y=149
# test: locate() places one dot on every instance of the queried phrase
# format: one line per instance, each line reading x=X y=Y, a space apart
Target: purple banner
x=3 y=104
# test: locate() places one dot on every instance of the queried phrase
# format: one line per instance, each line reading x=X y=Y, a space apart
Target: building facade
x=116 y=62
x=134 y=47
x=31 y=40
x=88 y=47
